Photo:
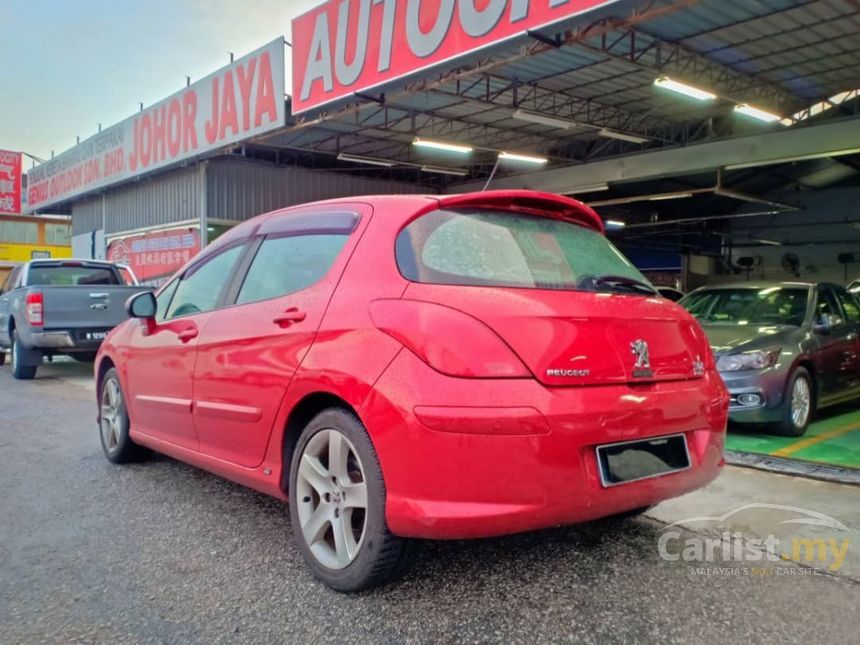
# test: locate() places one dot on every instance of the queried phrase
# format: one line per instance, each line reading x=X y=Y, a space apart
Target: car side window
x=7 y=283
x=849 y=305
x=288 y=264
x=163 y=299
x=199 y=289
x=828 y=305
x=11 y=280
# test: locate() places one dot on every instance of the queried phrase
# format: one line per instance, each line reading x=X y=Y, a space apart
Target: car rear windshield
x=505 y=249
x=68 y=275
x=749 y=306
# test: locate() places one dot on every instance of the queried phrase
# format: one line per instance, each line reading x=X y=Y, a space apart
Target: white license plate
x=96 y=335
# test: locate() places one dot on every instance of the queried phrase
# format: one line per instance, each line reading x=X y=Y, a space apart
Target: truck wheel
x=337 y=506
x=20 y=372
x=799 y=405
x=116 y=443
x=2 y=357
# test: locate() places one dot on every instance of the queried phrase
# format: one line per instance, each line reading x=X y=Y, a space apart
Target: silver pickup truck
x=50 y=307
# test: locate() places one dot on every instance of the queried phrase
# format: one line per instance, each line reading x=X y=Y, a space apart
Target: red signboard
x=157 y=255
x=10 y=182
x=348 y=46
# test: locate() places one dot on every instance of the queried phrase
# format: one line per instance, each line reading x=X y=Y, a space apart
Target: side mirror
x=142 y=305
x=826 y=323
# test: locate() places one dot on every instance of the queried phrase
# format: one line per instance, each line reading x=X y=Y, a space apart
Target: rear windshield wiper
x=618 y=283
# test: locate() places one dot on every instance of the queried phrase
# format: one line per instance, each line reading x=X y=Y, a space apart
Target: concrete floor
x=162 y=552
x=832 y=438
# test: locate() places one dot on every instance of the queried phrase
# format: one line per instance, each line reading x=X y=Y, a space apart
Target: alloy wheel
x=111 y=414
x=331 y=494
x=801 y=402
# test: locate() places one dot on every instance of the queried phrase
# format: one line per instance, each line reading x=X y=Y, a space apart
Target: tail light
x=33 y=308
x=448 y=340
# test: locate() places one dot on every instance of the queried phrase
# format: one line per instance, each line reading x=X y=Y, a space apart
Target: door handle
x=290 y=316
x=187 y=334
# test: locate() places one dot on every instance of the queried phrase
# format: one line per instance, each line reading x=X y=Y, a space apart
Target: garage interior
x=718 y=139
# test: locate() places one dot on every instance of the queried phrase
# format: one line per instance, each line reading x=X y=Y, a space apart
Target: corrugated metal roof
x=779 y=55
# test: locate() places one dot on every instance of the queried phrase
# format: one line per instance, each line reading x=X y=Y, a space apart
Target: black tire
x=2 y=357
x=381 y=556
x=20 y=372
x=786 y=426
x=117 y=445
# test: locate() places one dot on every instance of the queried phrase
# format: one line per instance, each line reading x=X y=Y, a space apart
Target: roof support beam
x=761 y=149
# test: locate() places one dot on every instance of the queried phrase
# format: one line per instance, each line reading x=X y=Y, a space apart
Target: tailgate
x=569 y=338
x=79 y=307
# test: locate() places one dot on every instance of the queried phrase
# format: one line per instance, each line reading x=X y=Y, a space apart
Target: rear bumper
x=464 y=466
x=64 y=341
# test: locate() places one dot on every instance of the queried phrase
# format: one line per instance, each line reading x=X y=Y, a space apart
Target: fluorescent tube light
x=615 y=223
x=622 y=136
x=593 y=188
x=659 y=198
x=682 y=88
x=768 y=242
x=457 y=172
x=511 y=156
x=373 y=161
x=540 y=119
x=756 y=113
x=441 y=145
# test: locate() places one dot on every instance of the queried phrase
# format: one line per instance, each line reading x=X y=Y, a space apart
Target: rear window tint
x=498 y=248
x=43 y=276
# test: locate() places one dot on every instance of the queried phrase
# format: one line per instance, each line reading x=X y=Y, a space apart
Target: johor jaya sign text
x=242 y=100
x=348 y=46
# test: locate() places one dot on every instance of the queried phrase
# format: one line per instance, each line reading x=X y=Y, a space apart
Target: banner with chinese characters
x=157 y=255
x=10 y=182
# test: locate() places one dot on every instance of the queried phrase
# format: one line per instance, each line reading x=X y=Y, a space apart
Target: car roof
x=525 y=201
x=763 y=284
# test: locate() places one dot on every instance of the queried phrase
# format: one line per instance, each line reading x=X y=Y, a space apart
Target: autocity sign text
x=242 y=100
x=348 y=46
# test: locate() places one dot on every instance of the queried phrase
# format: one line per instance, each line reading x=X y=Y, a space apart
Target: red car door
x=249 y=351
x=161 y=354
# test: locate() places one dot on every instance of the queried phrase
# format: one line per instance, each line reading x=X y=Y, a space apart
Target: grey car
x=783 y=349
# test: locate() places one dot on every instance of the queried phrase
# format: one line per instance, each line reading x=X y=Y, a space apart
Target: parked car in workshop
x=670 y=293
x=60 y=307
x=418 y=367
x=784 y=349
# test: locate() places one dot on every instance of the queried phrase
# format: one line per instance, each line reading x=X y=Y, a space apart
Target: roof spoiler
x=528 y=201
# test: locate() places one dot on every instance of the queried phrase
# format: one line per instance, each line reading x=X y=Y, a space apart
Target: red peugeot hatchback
x=418 y=367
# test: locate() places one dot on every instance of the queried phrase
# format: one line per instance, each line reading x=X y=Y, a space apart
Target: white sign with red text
x=239 y=101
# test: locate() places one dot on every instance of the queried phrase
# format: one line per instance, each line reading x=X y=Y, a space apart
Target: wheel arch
x=104 y=365
x=306 y=409
x=806 y=363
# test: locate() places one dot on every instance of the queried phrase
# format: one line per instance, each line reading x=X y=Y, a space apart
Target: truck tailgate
x=79 y=307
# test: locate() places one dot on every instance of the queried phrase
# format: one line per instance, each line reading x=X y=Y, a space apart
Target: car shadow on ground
x=477 y=563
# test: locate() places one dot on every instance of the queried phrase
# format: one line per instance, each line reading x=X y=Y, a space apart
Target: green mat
x=834 y=438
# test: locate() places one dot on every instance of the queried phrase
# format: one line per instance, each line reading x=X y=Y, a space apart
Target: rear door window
x=284 y=265
x=504 y=249
x=200 y=288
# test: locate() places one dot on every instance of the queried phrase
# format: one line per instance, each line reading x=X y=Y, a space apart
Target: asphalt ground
x=162 y=552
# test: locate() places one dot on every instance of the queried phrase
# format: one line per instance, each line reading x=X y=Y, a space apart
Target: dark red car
x=418 y=367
